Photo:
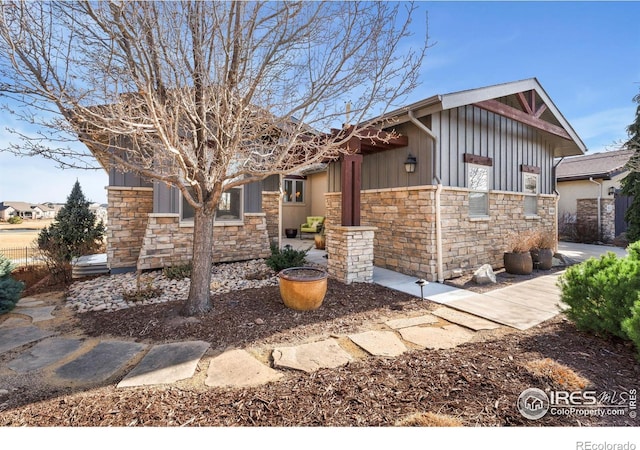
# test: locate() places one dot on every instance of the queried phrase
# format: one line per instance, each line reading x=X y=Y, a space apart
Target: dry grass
x=22 y=238
x=18 y=240
x=429 y=419
x=557 y=373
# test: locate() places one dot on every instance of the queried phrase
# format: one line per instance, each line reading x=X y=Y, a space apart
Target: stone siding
x=587 y=217
x=271 y=208
x=168 y=242
x=128 y=211
x=350 y=253
x=405 y=240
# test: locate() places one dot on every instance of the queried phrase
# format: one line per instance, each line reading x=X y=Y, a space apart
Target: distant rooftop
x=599 y=165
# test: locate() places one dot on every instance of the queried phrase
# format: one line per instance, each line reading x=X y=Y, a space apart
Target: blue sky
x=586 y=55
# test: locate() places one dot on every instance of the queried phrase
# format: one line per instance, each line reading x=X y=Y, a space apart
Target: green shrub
x=178 y=272
x=631 y=325
x=601 y=293
x=15 y=220
x=281 y=259
x=10 y=289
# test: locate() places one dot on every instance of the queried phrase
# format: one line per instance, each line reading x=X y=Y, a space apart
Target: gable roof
x=523 y=101
x=599 y=165
x=19 y=206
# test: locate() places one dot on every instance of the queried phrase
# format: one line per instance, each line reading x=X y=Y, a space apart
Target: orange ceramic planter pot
x=303 y=288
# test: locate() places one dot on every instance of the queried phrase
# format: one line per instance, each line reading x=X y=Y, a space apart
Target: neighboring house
x=6 y=212
x=25 y=210
x=48 y=211
x=582 y=180
x=469 y=168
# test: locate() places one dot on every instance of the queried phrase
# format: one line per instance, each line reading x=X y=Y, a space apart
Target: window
x=530 y=187
x=293 y=191
x=478 y=181
x=229 y=209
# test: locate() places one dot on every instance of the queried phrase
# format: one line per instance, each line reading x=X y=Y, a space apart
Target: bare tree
x=202 y=96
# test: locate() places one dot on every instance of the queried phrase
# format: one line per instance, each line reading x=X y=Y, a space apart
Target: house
x=6 y=212
x=582 y=180
x=438 y=194
x=470 y=168
x=24 y=210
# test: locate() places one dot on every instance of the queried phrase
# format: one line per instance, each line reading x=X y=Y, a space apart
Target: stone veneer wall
x=128 y=211
x=350 y=253
x=167 y=242
x=271 y=207
x=405 y=240
x=587 y=213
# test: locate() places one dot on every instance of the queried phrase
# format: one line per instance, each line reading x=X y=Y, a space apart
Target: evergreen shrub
x=10 y=289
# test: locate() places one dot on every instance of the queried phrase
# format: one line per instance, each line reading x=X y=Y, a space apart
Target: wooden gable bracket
x=531 y=115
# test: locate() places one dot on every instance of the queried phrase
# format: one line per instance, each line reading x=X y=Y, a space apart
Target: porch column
x=350 y=253
x=351 y=180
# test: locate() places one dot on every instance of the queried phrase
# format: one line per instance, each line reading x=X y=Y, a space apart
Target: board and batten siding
x=166 y=199
x=467 y=129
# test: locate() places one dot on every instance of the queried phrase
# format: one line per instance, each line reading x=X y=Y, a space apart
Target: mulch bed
x=477 y=383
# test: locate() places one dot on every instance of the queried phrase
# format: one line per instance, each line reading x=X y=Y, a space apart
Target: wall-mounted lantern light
x=410 y=164
x=612 y=190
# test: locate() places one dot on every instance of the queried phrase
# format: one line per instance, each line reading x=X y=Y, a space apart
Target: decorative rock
x=259 y=321
x=106 y=293
x=484 y=275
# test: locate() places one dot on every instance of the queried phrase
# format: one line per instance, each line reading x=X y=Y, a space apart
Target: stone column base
x=350 y=253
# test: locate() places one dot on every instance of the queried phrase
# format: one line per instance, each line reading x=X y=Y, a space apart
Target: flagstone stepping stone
x=44 y=353
x=466 y=320
x=325 y=354
x=13 y=322
x=237 y=368
x=37 y=314
x=166 y=363
x=11 y=338
x=448 y=336
x=28 y=302
x=379 y=343
x=407 y=322
x=100 y=363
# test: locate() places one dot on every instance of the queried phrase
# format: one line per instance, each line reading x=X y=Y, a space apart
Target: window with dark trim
x=229 y=208
x=294 y=190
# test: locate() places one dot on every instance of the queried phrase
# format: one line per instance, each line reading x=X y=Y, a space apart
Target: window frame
x=528 y=195
x=294 y=182
x=234 y=220
x=469 y=167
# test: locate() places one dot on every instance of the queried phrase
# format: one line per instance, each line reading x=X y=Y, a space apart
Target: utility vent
x=85 y=266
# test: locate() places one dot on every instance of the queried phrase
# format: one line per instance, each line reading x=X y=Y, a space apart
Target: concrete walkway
x=82 y=363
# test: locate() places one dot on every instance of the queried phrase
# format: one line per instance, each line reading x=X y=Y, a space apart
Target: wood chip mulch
x=477 y=383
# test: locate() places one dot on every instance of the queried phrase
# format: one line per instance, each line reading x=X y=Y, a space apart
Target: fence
x=22 y=256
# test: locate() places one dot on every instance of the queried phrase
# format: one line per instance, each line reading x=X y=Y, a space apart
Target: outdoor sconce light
x=612 y=190
x=410 y=164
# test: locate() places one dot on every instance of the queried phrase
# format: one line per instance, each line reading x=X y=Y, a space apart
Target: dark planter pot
x=290 y=232
x=542 y=258
x=518 y=263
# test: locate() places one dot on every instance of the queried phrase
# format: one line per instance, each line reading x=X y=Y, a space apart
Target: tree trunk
x=199 y=300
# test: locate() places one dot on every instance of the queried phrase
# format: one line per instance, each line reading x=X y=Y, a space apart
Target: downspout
x=280 y=195
x=428 y=132
x=555 y=191
x=599 y=201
